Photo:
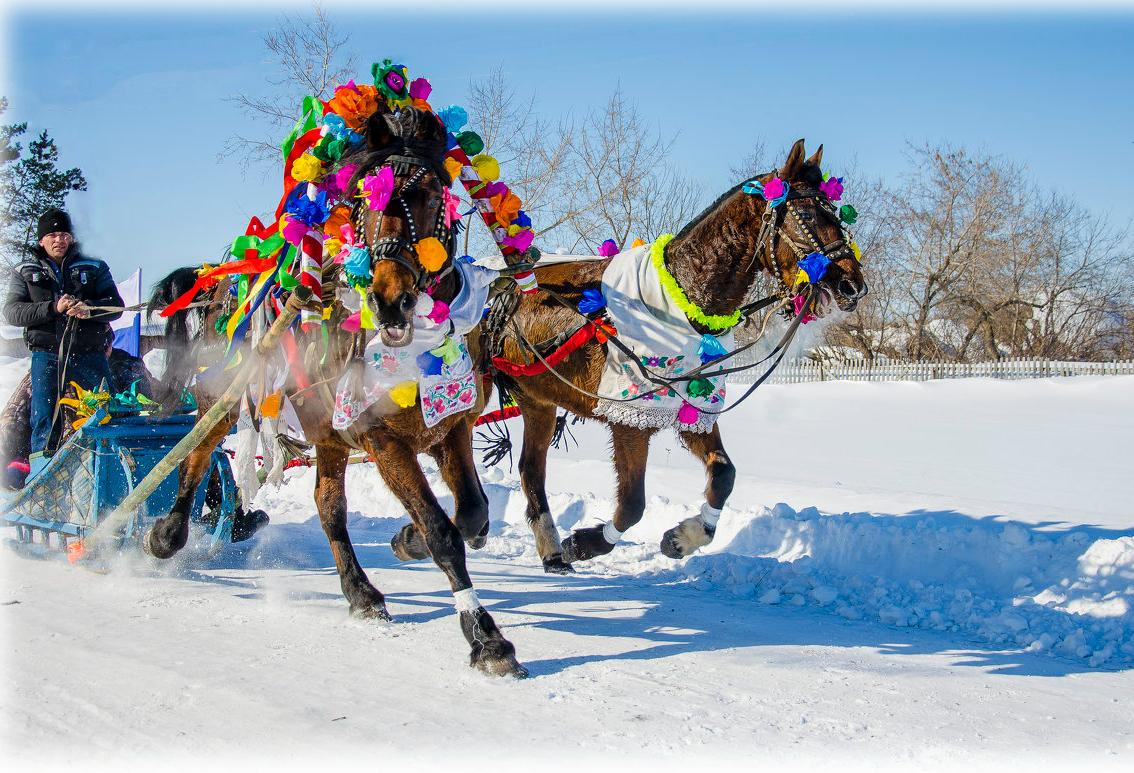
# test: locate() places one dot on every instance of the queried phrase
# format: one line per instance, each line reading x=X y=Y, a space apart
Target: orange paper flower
x=506 y=208
x=431 y=254
x=355 y=104
x=340 y=216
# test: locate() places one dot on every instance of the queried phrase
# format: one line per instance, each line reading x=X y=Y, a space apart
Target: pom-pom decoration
x=592 y=301
x=812 y=268
x=832 y=188
x=688 y=414
x=306 y=168
x=608 y=248
x=404 y=394
x=431 y=254
x=420 y=88
x=470 y=142
x=699 y=387
x=710 y=349
x=376 y=189
x=486 y=167
x=454 y=117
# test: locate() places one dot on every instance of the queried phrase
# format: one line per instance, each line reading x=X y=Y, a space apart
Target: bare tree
x=305 y=58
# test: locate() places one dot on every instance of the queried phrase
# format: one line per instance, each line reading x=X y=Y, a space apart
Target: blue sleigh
x=96 y=468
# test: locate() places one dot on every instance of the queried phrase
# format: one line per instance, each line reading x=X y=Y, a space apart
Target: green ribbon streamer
x=312 y=110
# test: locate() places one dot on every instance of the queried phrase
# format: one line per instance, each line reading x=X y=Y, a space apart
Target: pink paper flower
x=608 y=248
x=352 y=323
x=495 y=188
x=419 y=88
x=452 y=207
x=773 y=189
x=377 y=188
x=439 y=313
x=832 y=188
x=797 y=304
x=521 y=240
x=688 y=414
x=342 y=177
x=294 y=230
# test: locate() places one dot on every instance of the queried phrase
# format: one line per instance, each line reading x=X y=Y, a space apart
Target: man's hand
x=79 y=309
x=65 y=302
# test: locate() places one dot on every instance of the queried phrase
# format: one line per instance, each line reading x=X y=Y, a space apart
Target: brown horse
x=411 y=143
x=715 y=259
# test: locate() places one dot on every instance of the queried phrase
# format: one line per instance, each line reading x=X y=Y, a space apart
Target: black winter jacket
x=34 y=289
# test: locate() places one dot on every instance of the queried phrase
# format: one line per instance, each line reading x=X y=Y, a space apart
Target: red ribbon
x=210 y=278
x=572 y=344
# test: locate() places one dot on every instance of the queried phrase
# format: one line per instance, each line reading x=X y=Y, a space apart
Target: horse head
x=407 y=233
x=799 y=220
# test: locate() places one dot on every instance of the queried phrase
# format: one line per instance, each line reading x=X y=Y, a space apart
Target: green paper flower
x=699 y=387
x=848 y=214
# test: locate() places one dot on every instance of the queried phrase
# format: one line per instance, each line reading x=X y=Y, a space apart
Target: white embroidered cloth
x=451 y=391
x=666 y=344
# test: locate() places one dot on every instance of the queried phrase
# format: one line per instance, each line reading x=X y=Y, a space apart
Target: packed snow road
x=932 y=573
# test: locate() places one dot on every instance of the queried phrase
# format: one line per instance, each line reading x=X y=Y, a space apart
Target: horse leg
x=330 y=498
x=631 y=447
x=698 y=531
x=169 y=534
x=458 y=469
x=397 y=464
x=539 y=426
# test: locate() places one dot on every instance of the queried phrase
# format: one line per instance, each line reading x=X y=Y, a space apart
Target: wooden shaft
x=220 y=409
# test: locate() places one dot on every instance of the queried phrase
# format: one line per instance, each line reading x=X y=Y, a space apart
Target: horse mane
x=177 y=341
x=407 y=141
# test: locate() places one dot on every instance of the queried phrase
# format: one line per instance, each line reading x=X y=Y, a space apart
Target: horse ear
x=379 y=130
x=794 y=162
x=817 y=158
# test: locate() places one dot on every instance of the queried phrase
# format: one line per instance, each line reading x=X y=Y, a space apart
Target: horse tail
x=178 y=339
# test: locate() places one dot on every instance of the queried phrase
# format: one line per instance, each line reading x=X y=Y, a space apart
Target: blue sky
x=136 y=99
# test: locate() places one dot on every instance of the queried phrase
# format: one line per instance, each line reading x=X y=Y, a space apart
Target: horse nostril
x=407 y=302
x=850 y=289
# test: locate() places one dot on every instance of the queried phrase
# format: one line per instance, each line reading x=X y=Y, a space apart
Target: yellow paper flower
x=453 y=167
x=431 y=254
x=487 y=167
x=306 y=168
x=404 y=394
x=857 y=252
x=637 y=243
x=332 y=246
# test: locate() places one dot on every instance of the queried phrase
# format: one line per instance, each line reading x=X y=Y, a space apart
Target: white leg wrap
x=466 y=600
x=611 y=534
x=710 y=515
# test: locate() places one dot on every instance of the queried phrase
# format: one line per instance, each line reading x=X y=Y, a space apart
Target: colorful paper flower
x=688 y=414
x=521 y=241
x=439 y=313
x=637 y=243
x=354 y=103
x=404 y=394
x=306 y=168
x=592 y=301
x=452 y=206
x=608 y=248
x=848 y=214
x=710 y=349
x=431 y=253
x=429 y=364
x=812 y=268
x=391 y=80
x=453 y=167
x=419 y=88
x=857 y=251
x=506 y=206
x=832 y=188
x=293 y=229
x=487 y=168
x=448 y=351
x=454 y=117
x=522 y=219
x=377 y=188
x=797 y=306
x=699 y=387
x=470 y=142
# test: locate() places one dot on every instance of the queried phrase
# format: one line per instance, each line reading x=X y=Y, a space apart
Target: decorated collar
x=693 y=312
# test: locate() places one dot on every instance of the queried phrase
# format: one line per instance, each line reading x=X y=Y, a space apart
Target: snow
x=906 y=574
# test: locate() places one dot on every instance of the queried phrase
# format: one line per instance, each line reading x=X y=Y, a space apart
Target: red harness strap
x=500 y=414
x=571 y=345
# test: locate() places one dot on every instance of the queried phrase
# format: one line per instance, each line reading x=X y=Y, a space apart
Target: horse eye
x=434 y=202
x=806 y=214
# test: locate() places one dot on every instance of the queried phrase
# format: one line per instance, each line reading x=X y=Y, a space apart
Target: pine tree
x=30 y=183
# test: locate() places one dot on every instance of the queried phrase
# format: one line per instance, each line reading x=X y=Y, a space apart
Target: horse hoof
x=585 y=544
x=480 y=539
x=495 y=658
x=152 y=545
x=556 y=565
x=247 y=523
x=409 y=545
x=686 y=537
x=371 y=612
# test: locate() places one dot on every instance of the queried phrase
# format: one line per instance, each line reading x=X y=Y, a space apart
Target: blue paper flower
x=310 y=212
x=357 y=263
x=429 y=365
x=522 y=220
x=337 y=126
x=454 y=117
x=466 y=259
x=710 y=349
x=592 y=301
x=815 y=266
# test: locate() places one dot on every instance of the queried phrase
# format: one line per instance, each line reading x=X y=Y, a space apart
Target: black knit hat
x=53 y=220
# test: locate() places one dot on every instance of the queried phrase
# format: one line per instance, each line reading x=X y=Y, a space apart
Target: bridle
x=395 y=248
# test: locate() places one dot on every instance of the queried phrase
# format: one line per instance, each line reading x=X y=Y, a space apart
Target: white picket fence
x=800 y=371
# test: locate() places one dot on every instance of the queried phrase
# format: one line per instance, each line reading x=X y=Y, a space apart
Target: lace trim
x=643 y=417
